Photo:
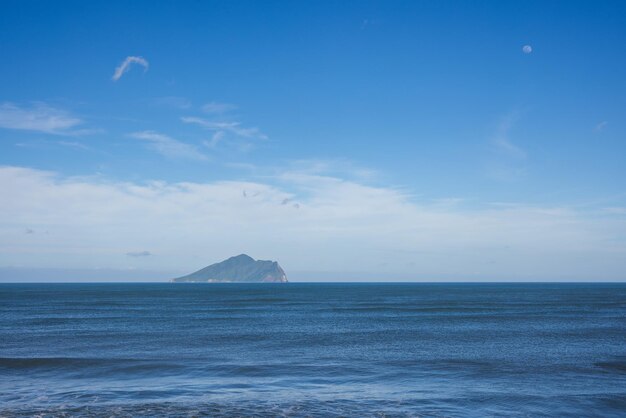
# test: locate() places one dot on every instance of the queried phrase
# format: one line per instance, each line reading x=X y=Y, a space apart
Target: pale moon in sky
x=527 y=49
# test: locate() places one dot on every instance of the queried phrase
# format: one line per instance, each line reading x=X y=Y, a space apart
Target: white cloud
x=39 y=118
x=234 y=128
x=338 y=225
x=169 y=146
x=125 y=66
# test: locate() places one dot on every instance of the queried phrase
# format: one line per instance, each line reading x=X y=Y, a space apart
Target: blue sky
x=348 y=140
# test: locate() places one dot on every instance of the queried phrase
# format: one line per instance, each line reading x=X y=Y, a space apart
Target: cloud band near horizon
x=338 y=225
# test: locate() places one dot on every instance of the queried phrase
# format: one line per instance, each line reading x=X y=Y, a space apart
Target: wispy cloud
x=217 y=107
x=168 y=146
x=225 y=128
x=125 y=66
x=215 y=139
x=601 y=126
x=337 y=167
x=39 y=117
x=234 y=128
x=73 y=144
x=502 y=140
x=507 y=161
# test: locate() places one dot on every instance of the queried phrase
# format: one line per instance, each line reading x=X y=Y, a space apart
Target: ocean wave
x=89 y=367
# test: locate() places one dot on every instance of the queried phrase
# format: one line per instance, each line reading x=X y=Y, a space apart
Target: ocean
x=313 y=350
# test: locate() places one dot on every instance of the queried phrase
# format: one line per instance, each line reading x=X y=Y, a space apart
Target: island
x=239 y=269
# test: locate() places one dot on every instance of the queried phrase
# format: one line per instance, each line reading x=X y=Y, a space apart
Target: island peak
x=238 y=269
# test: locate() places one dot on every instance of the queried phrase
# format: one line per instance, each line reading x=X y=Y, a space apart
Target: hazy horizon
x=22 y=275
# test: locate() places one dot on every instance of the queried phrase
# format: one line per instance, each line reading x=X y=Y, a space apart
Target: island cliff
x=240 y=269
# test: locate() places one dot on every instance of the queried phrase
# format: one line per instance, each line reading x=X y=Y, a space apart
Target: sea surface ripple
x=305 y=349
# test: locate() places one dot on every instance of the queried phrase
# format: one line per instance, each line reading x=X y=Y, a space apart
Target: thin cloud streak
x=126 y=64
x=508 y=161
x=168 y=146
x=39 y=118
x=73 y=144
x=215 y=139
x=502 y=139
x=230 y=127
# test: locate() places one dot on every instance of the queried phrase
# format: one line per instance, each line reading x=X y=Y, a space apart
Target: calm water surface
x=431 y=350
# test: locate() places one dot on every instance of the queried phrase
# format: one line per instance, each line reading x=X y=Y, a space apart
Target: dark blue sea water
x=432 y=350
